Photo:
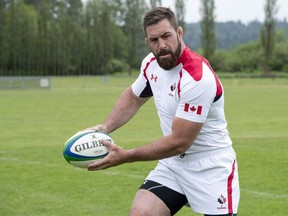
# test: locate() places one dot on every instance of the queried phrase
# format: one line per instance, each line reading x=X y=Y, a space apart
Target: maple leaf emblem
x=222 y=199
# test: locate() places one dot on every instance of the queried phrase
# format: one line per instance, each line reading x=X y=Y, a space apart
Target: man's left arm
x=183 y=134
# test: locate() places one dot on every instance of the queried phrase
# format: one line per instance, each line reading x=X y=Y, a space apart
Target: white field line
x=265 y=194
x=114 y=173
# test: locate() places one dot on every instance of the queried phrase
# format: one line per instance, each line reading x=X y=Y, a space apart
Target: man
x=197 y=164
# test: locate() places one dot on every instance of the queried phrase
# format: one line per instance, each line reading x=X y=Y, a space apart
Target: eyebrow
x=153 y=37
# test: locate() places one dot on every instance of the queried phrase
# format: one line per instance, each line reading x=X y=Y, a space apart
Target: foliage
x=229 y=34
x=116 y=65
x=268 y=32
x=248 y=57
x=244 y=58
x=208 y=39
x=133 y=31
x=180 y=12
x=155 y=3
x=279 y=61
x=65 y=37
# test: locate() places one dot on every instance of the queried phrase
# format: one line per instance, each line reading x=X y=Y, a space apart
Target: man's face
x=164 y=42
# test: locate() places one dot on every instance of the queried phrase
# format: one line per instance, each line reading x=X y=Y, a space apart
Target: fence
x=22 y=82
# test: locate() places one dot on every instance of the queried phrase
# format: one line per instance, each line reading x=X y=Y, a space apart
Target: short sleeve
x=196 y=97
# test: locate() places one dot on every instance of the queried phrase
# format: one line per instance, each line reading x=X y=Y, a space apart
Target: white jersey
x=191 y=91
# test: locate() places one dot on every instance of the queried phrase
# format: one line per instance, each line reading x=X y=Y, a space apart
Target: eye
x=153 y=40
x=166 y=36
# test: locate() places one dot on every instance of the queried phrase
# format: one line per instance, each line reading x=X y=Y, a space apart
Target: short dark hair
x=158 y=14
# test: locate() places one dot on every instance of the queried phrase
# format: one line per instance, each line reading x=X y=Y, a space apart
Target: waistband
x=200 y=155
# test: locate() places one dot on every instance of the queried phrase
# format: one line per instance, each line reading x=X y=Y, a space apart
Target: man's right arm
x=125 y=108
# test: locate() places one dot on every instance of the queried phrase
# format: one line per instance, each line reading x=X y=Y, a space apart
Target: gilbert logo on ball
x=85 y=147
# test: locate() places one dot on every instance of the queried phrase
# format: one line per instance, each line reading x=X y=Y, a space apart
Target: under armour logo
x=154 y=78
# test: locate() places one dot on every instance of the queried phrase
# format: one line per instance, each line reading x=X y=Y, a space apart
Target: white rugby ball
x=85 y=147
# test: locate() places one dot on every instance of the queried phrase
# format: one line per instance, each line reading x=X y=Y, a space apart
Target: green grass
x=36 y=181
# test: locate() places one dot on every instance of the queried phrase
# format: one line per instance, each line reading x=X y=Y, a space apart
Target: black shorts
x=173 y=199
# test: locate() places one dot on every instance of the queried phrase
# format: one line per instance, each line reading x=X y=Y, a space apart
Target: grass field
x=36 y=181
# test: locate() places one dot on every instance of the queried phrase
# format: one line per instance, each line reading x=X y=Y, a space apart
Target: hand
x=97 y=128
x=116 y=156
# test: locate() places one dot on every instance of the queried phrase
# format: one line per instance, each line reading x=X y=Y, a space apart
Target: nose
x=161 y=44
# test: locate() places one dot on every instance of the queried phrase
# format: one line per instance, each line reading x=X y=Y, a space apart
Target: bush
x=116 y=65
x=279 y=61
x=218 y=61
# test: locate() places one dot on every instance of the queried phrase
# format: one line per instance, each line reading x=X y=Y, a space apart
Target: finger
x=107 y=143
x=97 y=165
x=95 y=128
x=99 y=128
x=87 y=130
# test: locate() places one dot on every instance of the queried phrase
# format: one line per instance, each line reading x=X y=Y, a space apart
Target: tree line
x=67 y=37
x=238 y=46
x=268 y=54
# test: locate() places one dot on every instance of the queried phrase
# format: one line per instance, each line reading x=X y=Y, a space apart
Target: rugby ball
x=85 y=147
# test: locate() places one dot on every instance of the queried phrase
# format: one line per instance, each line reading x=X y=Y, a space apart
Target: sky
x=232 y=10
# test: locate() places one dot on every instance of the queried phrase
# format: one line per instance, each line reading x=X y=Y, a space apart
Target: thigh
x=148 y=204
x=172 y=199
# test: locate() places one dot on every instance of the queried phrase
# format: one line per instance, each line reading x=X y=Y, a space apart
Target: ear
x=146 y=40
x=180 y=31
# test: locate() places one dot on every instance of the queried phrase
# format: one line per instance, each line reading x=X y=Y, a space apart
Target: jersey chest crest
x=164 y=88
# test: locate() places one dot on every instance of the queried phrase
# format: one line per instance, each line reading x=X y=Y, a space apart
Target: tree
x=155 y=3
x=180 y=12
x=93 y=48
x=3 y=38
x=133 y=31
x=19 y=37
x=208 y=38
x=105 y=45
x=106 y=36
x=268 y=33
x=279 y=61
x=42 y=61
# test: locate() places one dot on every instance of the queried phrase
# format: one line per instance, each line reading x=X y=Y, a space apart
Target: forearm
x=158 y=149
x=178 y=142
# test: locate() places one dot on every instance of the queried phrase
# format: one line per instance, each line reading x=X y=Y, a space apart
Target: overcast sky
x=233 y=10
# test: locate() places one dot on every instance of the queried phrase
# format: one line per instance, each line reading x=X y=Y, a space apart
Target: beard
x=169 y=63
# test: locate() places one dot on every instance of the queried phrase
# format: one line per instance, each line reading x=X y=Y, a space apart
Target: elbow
x=182 y=147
